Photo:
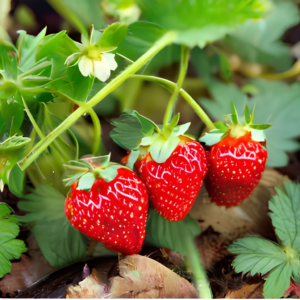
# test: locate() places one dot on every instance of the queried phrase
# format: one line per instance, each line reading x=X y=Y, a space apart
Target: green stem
x=95 y=120
x=183 y=69
x=32 y=120
x=198 y=110
x=171 y=86
x=164 y=41
x=97 y=127
x=197 y=268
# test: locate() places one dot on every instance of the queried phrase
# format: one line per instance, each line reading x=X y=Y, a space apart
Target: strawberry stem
x=198 y=270
x=171 y=86
x=183 y=69
x=164 y=41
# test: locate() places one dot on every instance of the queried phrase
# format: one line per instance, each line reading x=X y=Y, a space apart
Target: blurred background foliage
x=257 y=63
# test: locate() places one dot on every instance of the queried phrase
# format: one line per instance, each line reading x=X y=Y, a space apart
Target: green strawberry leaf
x=137 y=42
x=11 y=150
x=295 y=263
x=276 y=103
x=86 y=181
x=285 y=214
x=225 y=67
x=60 y=243
x=207 y=20
x=259 y=41
x=260 y=126
x=165 y=234
x=130 y=128
x=256 y=255
x=27 y=47
x=10 y=248
x=16 y=181
x=80 y=13
x=112 y=36
x=278 y=281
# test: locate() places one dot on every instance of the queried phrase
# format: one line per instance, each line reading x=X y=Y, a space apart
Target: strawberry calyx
x=235 y=129
x=84 y=172
x=140 y=135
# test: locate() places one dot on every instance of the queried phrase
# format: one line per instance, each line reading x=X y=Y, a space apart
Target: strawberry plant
x=10 y=247
x=58 y=90
x=279 y=262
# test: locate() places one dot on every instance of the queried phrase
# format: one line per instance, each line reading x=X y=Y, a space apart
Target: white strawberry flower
x=92 y=60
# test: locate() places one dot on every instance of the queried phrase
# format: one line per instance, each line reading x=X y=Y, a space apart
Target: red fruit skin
x=235 y=168
x=113 y=213
x=173 y=185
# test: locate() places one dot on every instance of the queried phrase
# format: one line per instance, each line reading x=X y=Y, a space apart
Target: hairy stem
x=164 y=41
x=171 y=86
x=183 y=69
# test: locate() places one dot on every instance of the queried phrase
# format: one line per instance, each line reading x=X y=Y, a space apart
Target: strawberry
x=174 y=184
x=113 y=211
x=171 y=165
x=235 y=168
x=236 y=162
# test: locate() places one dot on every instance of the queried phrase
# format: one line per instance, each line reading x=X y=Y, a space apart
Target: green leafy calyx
x=140 y=135
x=87 y=170
x=236 y=129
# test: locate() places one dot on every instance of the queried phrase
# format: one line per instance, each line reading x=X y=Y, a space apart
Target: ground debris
x=250 y=217
x=139 y=277
x=212 y=247
x=248 y=291
x=90 y=287
x=142 y=277
x=24 y=272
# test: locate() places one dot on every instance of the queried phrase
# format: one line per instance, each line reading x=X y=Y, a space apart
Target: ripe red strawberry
x=171 y=165
x=235 y=168
x=174 y=184
x=236 y=162
x=113 y=212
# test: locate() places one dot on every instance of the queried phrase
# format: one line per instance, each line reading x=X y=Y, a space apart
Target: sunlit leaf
x=199 y=22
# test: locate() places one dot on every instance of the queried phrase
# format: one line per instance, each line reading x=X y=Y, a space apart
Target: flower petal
x=110 y=59
x=72 y=58
x=85 y=66
x=102 y=70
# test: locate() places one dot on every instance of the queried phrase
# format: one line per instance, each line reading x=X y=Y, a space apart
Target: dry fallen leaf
x=25 y=271
x=90 y=287
x=142 y=277
x=250 y=217
x=212 y=247
x=248 y=291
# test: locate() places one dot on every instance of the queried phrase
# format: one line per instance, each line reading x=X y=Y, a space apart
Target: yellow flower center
x=93 y=53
